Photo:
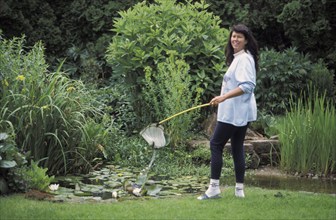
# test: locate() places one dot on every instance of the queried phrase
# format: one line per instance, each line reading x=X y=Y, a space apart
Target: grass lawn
x=258 y=204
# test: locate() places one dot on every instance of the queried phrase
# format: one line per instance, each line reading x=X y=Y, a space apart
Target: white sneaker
x=212 y=192
x=204 y=197
x=239 y=192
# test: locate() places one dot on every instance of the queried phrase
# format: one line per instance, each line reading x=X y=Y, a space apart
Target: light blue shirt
x=241 y=109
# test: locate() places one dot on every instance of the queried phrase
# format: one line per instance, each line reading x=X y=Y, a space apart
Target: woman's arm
x=233 y=93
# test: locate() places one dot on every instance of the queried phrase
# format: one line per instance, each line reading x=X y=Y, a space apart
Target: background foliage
x=70 y=125
x=77 y=29
x=308 y=25
x=147 y=35
x=84 y=26
x=287 y=74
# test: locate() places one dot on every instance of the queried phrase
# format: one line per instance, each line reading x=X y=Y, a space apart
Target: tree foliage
x=308 y=25
x=78 y=30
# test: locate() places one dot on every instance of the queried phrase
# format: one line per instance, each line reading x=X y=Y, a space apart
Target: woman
x=236 y=108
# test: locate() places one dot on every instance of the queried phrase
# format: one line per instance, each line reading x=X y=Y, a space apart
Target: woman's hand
x=218 y=99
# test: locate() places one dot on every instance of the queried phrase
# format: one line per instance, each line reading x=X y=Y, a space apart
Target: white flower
x=114 y=194
x=54 y=187
x=136 y=191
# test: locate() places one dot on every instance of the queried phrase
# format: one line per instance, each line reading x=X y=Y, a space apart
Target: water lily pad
x=113 y=184
x=151 y=182
x=91 y=188
x=81 y=193
x=153 y=190
x=62 y=191
x=96 y=181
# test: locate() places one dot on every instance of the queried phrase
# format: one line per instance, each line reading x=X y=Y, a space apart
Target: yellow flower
x=20 y=77
x=5 y=83
x=100 y=147
x=45 y=107
x=70 y=89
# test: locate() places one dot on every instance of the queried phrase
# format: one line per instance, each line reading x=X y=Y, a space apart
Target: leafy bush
x=164 y=101
x=10 y=159
x=132 y=151
x=135 y=152
x=323 y=80
x=37 y=177
x=24 y=178
x=146 y=35
x=287 y=74
x=264 y=124
x=48 y=111
x=115 y=101
x=8 y=152
x=16 y=179
x=307 y=136
x=281 y=75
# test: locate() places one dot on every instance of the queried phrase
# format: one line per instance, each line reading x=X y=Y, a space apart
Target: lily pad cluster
x=113 y=183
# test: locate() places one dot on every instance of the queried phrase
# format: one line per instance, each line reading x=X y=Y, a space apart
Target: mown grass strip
x=258 y=204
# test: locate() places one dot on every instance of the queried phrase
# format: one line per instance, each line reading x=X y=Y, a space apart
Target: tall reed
x=308 y=136
x=49 y=112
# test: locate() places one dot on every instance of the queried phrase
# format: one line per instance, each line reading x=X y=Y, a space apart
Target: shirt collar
x=238 y=53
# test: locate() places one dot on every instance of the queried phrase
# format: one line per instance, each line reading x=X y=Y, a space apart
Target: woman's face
x=238 y=41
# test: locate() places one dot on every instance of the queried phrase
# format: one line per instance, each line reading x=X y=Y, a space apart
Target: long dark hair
x=251 y=45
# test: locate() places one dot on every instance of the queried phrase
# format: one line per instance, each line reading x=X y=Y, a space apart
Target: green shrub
x=323 y=79
x=281 y=75
x=162 y=101
x=48 y=111
x=146 y=35
x=116 y=102
x=16 y=179
x=25 y=178
x=135 y=152
x=10 y=159
x=287 y=74
x=307 y=136
x=264 y=124
x=9 y=155
x=132 y=151
x=37 y=177
x=200 y=155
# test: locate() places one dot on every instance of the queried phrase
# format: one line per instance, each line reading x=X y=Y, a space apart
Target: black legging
x=224 y=132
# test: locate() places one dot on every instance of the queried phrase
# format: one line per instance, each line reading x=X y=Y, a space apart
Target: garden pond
x=114 y=183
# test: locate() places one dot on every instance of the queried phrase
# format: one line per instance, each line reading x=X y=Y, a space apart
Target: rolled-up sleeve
x=247 y=87
x=246 y=75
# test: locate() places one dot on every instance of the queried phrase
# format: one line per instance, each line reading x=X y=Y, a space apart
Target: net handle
x=187 y=110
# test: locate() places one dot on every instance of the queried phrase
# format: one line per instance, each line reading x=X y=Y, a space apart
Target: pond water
x=292 y=183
